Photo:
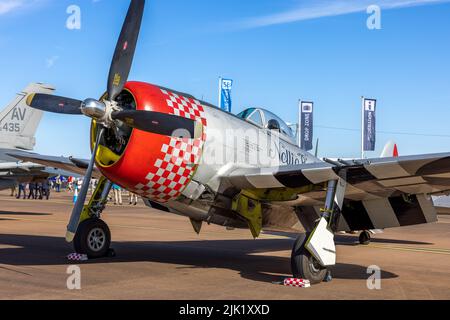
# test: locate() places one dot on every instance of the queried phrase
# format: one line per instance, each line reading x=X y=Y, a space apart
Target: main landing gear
x=315 y=251
x=303 y=263
x=93 y=236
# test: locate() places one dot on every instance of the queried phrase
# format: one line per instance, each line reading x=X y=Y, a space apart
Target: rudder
x=18 y=122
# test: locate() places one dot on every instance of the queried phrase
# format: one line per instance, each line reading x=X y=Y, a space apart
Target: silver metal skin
x=329 y=201
x=93 y=108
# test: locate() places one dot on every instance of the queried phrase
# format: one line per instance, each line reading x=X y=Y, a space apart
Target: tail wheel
x=364 y=237
x=92 y=238
x=303 y=264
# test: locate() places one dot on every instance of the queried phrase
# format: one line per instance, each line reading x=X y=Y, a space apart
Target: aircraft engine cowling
x=155 y=166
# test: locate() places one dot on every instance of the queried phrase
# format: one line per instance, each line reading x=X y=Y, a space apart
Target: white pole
x=220 y=93
x=362 y=127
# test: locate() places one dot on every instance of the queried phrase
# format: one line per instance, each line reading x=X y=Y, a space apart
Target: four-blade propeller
x=108 y=113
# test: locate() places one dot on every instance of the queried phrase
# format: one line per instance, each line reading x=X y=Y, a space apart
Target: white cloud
x=50 y=62
x=9 y=5
x=314 y=9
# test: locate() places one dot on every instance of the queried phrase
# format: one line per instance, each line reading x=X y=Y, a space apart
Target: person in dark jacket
x=21 y=190
x=46 y=189
x=32 y=192
x=39 y=190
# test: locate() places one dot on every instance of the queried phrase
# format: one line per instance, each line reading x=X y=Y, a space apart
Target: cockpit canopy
x=266 y=119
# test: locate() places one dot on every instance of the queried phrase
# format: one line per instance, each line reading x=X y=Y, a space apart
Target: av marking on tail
x=18 y=122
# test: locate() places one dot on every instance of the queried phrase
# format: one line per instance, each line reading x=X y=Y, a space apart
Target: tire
x=92 y=238
x=364 y=237
x=303 y=264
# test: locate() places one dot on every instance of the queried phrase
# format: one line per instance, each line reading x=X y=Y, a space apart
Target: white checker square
x=169 y=167
x=172 y=185
x=161 y=188
x=182 y=180
x=173 y=142
x=178 y=161
x=171 y=176
x=158 y=163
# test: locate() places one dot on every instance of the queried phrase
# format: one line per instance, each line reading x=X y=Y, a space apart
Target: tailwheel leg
x=364 y=237
x=93 y=238
x=303 y=264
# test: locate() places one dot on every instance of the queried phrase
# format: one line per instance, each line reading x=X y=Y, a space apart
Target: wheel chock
x=295 y=282
x=77 y=257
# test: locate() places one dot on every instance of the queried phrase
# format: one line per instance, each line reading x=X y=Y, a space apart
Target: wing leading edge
x=69 y=164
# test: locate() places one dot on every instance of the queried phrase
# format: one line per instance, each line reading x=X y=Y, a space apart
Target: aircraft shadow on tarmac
x=348 y=240
x=15 y=213
x=244 y=256
x=353 y=241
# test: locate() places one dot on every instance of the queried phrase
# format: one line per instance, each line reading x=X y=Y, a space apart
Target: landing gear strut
x=315 y=251
x=364 y=237
x=93 y=236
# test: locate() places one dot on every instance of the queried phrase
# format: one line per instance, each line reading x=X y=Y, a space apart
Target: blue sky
x=276 y=52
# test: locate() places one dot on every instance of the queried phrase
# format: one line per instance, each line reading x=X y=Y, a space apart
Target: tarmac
x=159 y=256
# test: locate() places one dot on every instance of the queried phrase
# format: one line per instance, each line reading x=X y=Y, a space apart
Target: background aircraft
x=163 y=145
x=18 y=125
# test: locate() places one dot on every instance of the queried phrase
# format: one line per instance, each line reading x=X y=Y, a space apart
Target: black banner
x=369 y=129
x=306 y=125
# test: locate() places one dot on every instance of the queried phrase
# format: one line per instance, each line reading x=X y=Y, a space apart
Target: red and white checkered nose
x=155 y=166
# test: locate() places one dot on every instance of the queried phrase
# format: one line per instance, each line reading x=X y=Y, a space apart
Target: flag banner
x=225 y=94
x=369 y=132
x=306 y=125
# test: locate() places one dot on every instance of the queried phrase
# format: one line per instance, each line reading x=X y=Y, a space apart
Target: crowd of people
x=42 y=189
x=33 y=190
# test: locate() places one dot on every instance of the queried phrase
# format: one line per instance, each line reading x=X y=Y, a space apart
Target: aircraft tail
x=390 y=150
x=18 y=122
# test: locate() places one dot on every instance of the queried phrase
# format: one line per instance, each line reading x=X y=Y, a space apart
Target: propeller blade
x=56 y=104
x=160 y=123
x=79 y=205
x=126 y=45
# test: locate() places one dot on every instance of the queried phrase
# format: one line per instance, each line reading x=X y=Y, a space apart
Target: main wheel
x=303 y=264
x=364 y=237
x=92 y=238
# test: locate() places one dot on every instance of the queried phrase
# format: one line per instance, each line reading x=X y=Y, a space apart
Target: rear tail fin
x=18 y=122
x=390 y=150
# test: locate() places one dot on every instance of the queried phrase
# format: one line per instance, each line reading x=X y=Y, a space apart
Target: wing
x=68 y=164
x=380 y=193
x=12 y=173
